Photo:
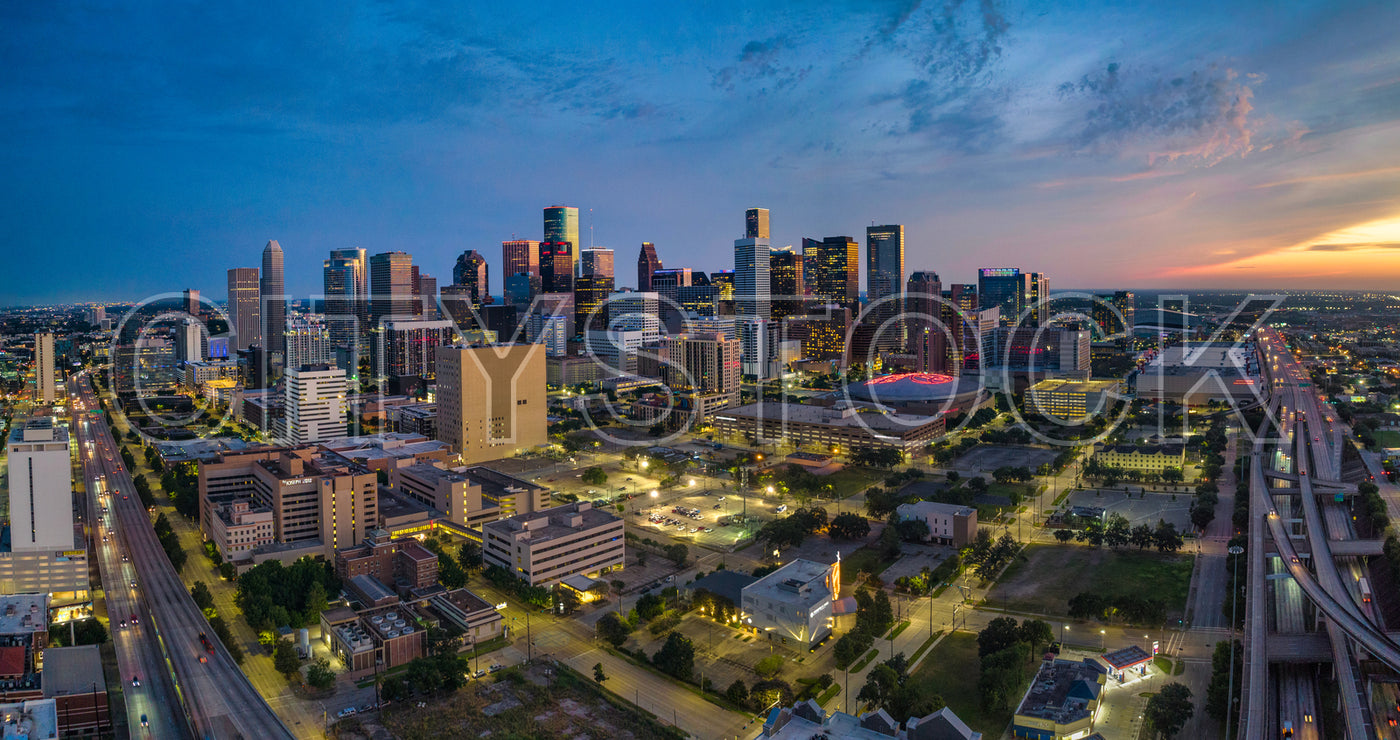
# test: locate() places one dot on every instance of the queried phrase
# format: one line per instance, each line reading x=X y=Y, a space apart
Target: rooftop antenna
x=590 y=228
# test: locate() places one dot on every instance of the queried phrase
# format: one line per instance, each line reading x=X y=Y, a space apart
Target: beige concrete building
x=1072 y=399
x=491 y=400
x=837 y=429
x=949 y=524
x=548 y=546
x=238 y=528
x=319 y=501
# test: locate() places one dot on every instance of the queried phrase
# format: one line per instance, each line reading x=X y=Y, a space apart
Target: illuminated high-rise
x=785 y=283
x=244 y=308
x=520 y=255
x=44 y=391
x=923 y=321
x=557 y=267
x=273 y=294
x=756 y=224
x=391 y=293
x=647 y=264
x=561 y=225
x=1037 y=303
x=596 y=261
x=836 y=271
x=1003 y=288
x=471 y=272
x=884 y=269
x=346 y=290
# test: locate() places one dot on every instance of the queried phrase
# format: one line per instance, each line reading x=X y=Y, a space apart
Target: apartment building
x=545 y=547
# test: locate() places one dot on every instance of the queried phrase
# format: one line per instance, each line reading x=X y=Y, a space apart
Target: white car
x=782 y=508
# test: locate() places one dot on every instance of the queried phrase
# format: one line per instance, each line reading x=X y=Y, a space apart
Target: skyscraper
x=273 y=295
x=923 y=326
x=557 y=267
x=884 y=267
x=597 y=261
x=520 y=255
x=192 y=306
x=647 y=264
x=471 y=271
x=44 y=390
x=960 y=303
x=756 y=224
x=1108 y=309
x=561 y=225
x=836 y=271
x=785 y=283
x=752 y=296
x=244 y=308
x=590 y=292
x=425 y=296
x=1003 y=288
x=390 y=286
x=346 y=289
x=1037 y=301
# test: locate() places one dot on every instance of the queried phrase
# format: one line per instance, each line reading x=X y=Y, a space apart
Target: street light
x=1103 y=639
x=1237 y=551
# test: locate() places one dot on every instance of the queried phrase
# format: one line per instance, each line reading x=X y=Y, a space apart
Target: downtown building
x=407 y=347
x=46 y=554
x=244 y=308
x=751 y=269
x=272 y=294
x=44 y=389
x=884 y=270
x=345 y=279
x=491 y=400
x=647 y=265
x=837 y=429
x=833 y=269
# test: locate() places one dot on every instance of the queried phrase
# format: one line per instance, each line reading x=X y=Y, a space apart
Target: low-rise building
x=72 y=678
x=198 y=373
x=479 y=621
x=1062 y=701
x=388 y=636
x=390 y=450
x=1072 y=399
x=239 y=528
x=792 y=605
x=840 y=428
x=547 y=546
x=948 y=524
x=35 y=719
x=401 y=562
x=807 y=720
x=1147 y=458
x=414 y=418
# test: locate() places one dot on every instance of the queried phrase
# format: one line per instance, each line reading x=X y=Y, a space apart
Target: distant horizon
x=1193 y=144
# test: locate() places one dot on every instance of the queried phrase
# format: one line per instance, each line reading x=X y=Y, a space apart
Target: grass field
x=1387 y=438
x=1049 y=575
x=1013 y=491
x=863 y=559
x=951 y=671
x=850 y=481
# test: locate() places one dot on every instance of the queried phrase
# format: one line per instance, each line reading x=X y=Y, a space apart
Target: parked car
x=496 y=667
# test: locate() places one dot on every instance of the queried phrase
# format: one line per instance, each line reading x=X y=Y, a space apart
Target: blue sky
x=152 y=146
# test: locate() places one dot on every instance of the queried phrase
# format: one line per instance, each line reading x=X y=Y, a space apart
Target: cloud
x=1201 y=117
x=1352 y=247
x=761 y=62
x=1331 y=177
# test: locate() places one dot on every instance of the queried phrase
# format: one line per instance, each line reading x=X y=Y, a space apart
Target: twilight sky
x=149 y=147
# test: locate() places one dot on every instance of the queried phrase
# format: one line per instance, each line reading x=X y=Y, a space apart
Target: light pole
x=1237 y=551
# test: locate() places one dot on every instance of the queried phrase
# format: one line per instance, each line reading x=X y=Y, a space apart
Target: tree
x=469 y=557
x=319 y=674
x=200 y=593
x=1166 y=538
x=737 y=692
x=1168 y=710
x=613 y=629
x=650 y=606
x=451 y=574
x=677 y=554
x=769 y=666
x=676 y=657
x=1142 y=536
x=595 y=476
x=1036 y=633
x=1064 y=535
x=1118 y=531
x=849 y=526
x=999 y=634
x=598 y=674
x=285 y=658
x=1172 y=475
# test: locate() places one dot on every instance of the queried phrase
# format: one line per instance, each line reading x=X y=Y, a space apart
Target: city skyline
x=1196 y=147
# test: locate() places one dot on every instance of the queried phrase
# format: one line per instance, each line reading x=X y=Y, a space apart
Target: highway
x=1316 y=443
x=215 y=698
x=138 y=646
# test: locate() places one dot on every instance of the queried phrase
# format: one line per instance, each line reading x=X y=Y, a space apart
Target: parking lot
x=987 y=458
x=714 y=510
x=1136 y=508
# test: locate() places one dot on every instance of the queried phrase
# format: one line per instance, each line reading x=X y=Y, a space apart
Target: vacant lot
x=950 y=670
x=1049 y=575
x=990 y=457
x=565 y=705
